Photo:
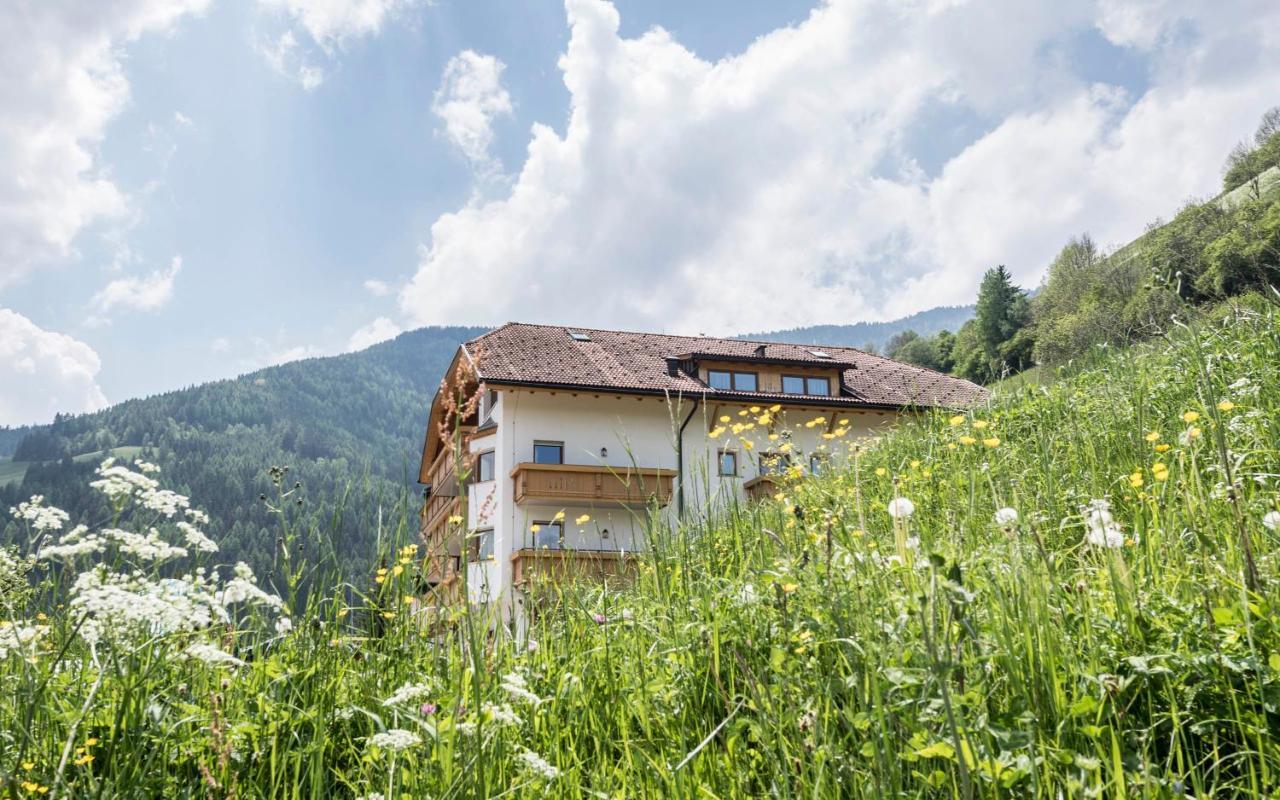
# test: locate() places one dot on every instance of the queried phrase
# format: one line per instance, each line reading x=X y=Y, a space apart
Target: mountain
x=348 y=426
x=873 y=335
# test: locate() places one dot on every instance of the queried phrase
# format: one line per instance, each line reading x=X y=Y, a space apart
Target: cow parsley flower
x=22 y=640
x=501 y=714
x=211 y=655
x=407 y=694
x=1007 y=517
x=513 y=683
x=537 y=764
x=395 y=740
x=1271 y=520
x=901 y=508
x=196 y=539
x=42 y=518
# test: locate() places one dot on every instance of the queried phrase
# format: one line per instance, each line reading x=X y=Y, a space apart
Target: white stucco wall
x=631 y=430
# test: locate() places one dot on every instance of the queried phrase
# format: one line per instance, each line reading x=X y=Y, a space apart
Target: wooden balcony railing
x=531 y=565
x=592 y=484
x=442 y=474
x=435 y=523
x=762 y=487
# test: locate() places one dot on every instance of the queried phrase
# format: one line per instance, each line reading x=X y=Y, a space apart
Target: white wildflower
x=513 y=683
x=501 y=714
x=407 y=694
x=197 y=516
x=537 y=764
x=212 y=655
x=118 y=482
x=42 y=517
x=196 y=539
x=284 y=625
x=747 y=594
x=1007 y=517
x=1102 y=528
x=22 y=640
x=73 y=543
x=1271 y=520
x=371 y=796
x=166 y=502
x=395 y=739
x=466 y=728
x=148 y=547
x=146 y=466
x=901 y=508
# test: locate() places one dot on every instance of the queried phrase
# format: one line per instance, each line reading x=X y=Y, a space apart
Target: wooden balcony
x=760 y=488
x=559 y=566
x=442 y=474
x=435 y=523
x=582 y=483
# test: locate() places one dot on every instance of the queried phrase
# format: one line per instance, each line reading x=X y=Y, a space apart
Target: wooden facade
x=578 y=483
x=530 y=565
x=760 y=488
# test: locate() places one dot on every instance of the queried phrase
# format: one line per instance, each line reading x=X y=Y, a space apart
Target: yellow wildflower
x=994 y=441
x=755 y=409
x=1135 y=480
x=880 y=471
x=1226 y=405
x=725 y=418
x=979 y=424
x=1154 y=436
x=748 y=444
x=1190 y=416
x=968 y=440
x=456 y=519
x=535 y=528
x=559 y=515
x=958 y=419
x=583 y=520
x=790 y=587
x=1193 y=432
x=1163 y=448
x=397 y=570
x=775 y=408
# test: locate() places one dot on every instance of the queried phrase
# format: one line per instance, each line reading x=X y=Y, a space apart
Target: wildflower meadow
x=1071 y=592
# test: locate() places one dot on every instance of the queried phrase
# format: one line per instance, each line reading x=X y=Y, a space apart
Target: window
x=548 y=535
x=490 y=402
x=819 y=354
x=774 y=463
x=482 y=544
x=728 y=463
x=548 y=452
x=817 y=464
x=800 y=384
x=484 y=466
x=579 y=336
x=818 y=386
x=732 y=381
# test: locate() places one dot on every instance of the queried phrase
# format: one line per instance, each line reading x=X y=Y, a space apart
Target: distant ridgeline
x=349 y=427
x=873 y=336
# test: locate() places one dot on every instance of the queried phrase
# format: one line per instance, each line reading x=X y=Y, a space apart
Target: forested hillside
x=873 y=336
x=349 y=427
x=1211 y=250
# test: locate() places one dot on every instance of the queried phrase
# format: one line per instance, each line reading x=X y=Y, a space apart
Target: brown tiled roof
x=545 y=355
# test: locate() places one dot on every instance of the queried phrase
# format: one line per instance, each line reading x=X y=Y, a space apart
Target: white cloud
x=380 y=330
x=146 y=293
x=470 y=97
x=330 y=25
x=61 y=83
x=44 y=373
x=776 y=187
x=377 y=288
x=220 y=345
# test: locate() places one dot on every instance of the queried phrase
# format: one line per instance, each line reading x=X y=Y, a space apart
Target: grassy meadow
x=1076 y=595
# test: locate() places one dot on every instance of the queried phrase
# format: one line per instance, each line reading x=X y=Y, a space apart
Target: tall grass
x=814 y=646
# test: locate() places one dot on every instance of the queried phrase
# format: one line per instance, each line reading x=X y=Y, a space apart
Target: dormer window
x=803 y=384
x=732 y=381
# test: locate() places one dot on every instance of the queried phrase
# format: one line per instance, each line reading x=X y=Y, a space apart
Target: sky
x=192 y=189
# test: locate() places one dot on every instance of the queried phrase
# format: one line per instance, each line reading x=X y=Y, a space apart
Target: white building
x=567 y=440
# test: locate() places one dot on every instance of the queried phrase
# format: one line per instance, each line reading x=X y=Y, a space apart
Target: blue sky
x=194 y=188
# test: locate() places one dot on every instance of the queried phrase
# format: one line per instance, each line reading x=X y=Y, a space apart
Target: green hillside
x=873 y=335
x=1076 y=596
x=349 y=427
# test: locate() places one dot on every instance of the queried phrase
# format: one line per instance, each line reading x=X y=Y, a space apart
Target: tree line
x=1211 y=250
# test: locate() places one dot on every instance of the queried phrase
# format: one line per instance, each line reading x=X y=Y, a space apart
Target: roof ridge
x=583 y=328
